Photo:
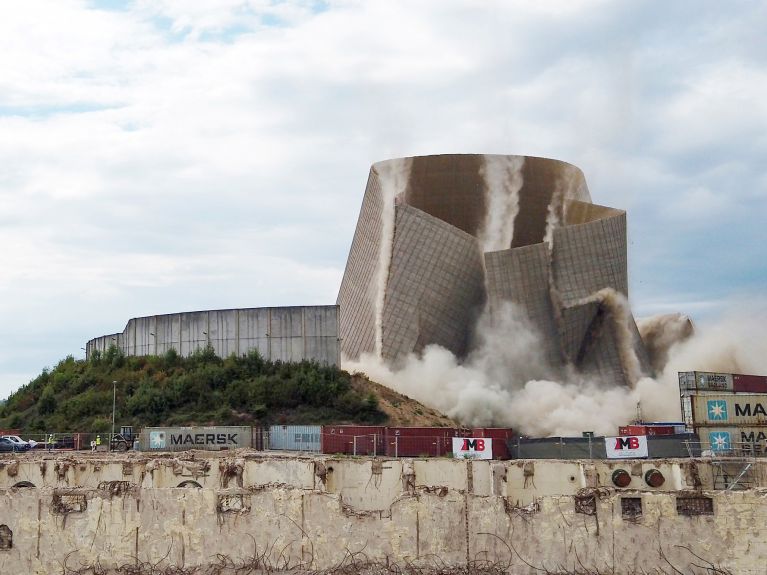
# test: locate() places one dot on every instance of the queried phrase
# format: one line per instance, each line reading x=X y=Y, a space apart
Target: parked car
x=7 y=444
x=18 y=440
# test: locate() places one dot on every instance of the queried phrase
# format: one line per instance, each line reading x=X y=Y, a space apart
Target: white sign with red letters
x=626 y=447
x=472 y=448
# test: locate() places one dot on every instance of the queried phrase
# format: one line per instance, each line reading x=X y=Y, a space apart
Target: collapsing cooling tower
x=440 y=238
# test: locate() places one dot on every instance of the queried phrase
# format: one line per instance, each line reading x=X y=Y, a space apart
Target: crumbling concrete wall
x=316 y=513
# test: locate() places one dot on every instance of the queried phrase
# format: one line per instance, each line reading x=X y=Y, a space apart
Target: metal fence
x=658 y=446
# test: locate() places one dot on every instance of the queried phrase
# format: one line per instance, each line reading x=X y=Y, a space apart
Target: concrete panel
x=194 y=332
x=521 y=276
x=167 y=333
x=286 y=322
x=321 y=321
x=224 y=331
x=254 y=331
x=589 y=257
x=576 y=322
x=435 y=287
x=357 y=294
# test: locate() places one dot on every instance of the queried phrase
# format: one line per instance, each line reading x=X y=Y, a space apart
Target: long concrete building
x=277 y=333
x=441 y=239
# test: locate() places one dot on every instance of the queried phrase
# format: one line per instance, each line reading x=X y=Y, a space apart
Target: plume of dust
x=735 y=342
x=570 y=185
x=504 y=382
x=620 y=315
x=393 y=176
x=659 y=333
x=503 y=180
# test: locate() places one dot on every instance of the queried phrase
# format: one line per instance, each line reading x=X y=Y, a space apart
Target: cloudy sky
x=159 y=156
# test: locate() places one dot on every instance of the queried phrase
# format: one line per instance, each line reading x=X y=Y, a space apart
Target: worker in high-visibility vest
x=50 y=442
x=98 y=441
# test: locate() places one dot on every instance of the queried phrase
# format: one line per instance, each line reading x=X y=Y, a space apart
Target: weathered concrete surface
x=317 y=512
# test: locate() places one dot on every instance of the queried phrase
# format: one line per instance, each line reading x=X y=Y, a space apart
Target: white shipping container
x=751 y=439
x=726 y=409
x=704 y=381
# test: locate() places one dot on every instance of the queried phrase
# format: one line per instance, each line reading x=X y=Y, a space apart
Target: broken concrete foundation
x=210 y=513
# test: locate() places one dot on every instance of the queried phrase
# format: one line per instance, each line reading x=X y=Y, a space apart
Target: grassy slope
x=202 y=390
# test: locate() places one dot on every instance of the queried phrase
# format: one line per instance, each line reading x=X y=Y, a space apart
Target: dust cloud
x=503 y=180
x=506 y=382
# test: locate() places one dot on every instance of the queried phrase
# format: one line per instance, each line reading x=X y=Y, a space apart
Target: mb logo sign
x=626 y=447
x=472 y=448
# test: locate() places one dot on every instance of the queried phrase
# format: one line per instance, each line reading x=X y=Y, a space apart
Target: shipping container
x=692 y=381
x=500 y=435
x=420 y=441
x=648 y=429
x=295 y=437
x=704 y=381
x=725 y=409
x=735 y=440
x=749 y=383
x=182 y=438
x=353 y=439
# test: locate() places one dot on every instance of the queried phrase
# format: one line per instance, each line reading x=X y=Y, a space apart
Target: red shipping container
x=420 y=441
x=646 y=430
x=353 y=439
x=499 y=435
x=632 y=430
x=660 y=430
x=749 y=383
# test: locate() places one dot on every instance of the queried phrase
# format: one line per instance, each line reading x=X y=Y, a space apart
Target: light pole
x=114 y=398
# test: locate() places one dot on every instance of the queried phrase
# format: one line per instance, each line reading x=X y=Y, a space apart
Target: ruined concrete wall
x=318 y=512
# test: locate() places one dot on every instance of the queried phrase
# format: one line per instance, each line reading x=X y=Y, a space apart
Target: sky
x=177 y=155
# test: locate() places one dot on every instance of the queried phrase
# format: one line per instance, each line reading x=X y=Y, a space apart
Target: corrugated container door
x=749 y=383
x=295 y=437
x=353 y=439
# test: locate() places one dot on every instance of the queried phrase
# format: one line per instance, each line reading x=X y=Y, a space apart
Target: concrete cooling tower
x=442 y=238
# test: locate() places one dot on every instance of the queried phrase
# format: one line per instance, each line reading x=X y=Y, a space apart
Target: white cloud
x=226 y=144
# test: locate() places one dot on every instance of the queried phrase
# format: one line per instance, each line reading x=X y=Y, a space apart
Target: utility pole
x=114 y=399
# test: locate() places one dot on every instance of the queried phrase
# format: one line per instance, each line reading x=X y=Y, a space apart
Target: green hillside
x=202 y=389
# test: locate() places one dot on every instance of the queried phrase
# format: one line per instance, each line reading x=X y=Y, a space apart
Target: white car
x=20 y=441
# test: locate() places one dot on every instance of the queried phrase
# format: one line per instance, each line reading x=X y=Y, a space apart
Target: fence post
x=354 y=445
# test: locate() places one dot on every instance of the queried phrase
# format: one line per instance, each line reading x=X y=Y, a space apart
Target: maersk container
x=730 y=409
x=740 y=440
x=690 y=381
x=353 y=439
x=182 y=438
x=295 y=438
